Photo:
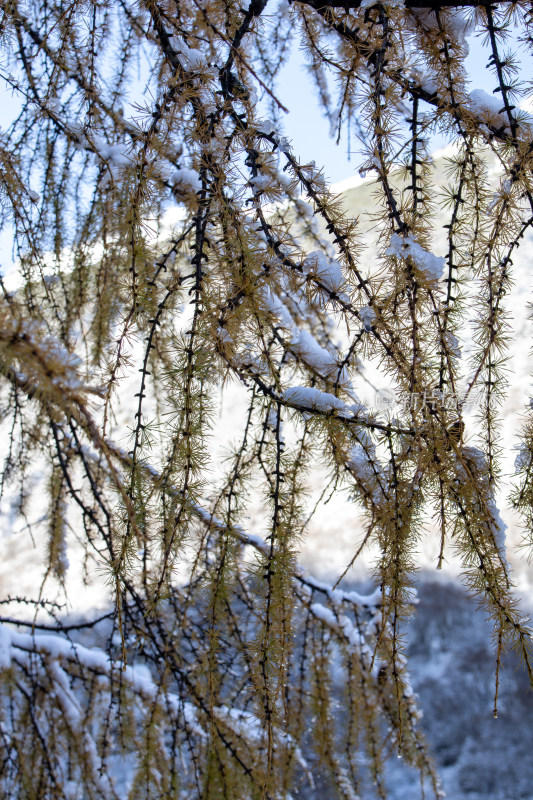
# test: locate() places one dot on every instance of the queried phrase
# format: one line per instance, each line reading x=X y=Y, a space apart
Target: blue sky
x=305 y=124
x=309 y=131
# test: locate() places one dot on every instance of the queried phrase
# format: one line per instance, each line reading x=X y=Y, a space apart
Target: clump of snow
x=272 y=420
x=5 y=647
x=483 y=102
x=115 y=154
x=462 y=25
x=453 y=344
x=358 y=458
x=424 y=260
x=224 y=336
x=370 y=601
x=309 y=397
x=316 y=176
x=326 y=270
x=343 y=625
x=65 y=364
x=303 y=344
x=186 y=180
x=248 y=726
x=367 y=316
x=523 y=458
x=502 y=194
x=315 y=356
x=266 y=126
x=249 y=359
x=190 y=57
x=363 y=463
x=459 y=24
x=259 y=183
x=488 y=108
x=269 y=128
x=312 y=398
x=389 y=3
x=426 y=82
x=272 y=302
x=54 y=105
x=284 y=145
x=324 y=614
x=498 y=530
x=477 y=456
x=496 y=525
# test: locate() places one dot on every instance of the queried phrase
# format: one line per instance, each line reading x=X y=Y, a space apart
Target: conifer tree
x=215 y=673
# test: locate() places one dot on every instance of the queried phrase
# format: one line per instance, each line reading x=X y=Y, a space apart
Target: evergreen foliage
x=221 y=674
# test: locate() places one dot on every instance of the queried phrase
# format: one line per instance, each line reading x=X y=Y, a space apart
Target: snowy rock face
x=452 y=669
